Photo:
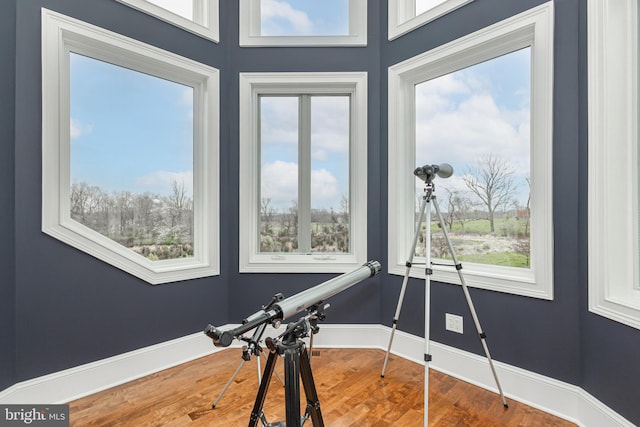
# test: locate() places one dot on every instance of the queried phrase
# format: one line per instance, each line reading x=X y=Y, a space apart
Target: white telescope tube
x=312 y=296
x=294 y=304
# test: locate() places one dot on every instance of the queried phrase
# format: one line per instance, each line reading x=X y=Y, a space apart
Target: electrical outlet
x=453 y=323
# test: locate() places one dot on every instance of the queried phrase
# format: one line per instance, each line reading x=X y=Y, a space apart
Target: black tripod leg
x=292 y=386
x=262 y=391
x=313 y=404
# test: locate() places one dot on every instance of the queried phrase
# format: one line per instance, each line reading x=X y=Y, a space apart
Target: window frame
x=62 y=35
x=402 y=17
x=206 y=11
x=532 y=28
x=613 y=222
x=252 y=85
x=249 y=28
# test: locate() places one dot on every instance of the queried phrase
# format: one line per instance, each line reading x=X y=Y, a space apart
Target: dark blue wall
x=359 y=304
x=609 y=350
x=534 y=334
x=71 y=308
x=7 y=208
x=61 y=308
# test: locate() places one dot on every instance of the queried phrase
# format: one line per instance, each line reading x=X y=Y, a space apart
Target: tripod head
x=304 y=327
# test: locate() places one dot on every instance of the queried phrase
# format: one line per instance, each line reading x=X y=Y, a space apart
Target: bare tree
x=266 y=213
x=452 y=202
x=492 y=181
x=178 y=201
x=526 y=228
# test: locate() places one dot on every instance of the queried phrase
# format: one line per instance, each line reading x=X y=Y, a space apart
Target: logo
x=36 y=415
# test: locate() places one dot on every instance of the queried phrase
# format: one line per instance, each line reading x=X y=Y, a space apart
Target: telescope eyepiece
x=220 y=338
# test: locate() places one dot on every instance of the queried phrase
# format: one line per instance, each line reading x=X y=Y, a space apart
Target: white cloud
x=161 y=181
x=330 y=123
x=324 y=187
x=279 y=124
x=277 y=15
x=459 y=121
x=78 y=129
x=468 y=125
x=279 y=182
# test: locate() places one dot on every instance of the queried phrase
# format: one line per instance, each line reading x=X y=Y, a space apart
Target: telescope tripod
x=425 y=212
x=297 y=366
x=253 y=348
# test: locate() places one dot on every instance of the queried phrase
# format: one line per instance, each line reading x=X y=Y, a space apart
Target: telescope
x=282 y=308
x=428 y=172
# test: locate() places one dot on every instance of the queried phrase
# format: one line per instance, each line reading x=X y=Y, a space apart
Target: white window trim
x=402 y=17
x=613 y=160
x=531 y=28
x=205 y=22
x=250 y=29
x=251 y=86
x=61 y=35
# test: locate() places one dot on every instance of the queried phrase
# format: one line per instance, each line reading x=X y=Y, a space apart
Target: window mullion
x=304 y=174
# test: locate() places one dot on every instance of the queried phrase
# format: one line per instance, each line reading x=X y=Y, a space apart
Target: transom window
x=406 y=15
x=304 y=18
x=302 y=171
x=197 y=16
x=298 y=22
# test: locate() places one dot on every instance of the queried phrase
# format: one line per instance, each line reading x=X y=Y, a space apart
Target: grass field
x=503 y=226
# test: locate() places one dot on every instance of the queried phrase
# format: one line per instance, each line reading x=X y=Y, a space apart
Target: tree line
x=155 y=226
x=329 y=228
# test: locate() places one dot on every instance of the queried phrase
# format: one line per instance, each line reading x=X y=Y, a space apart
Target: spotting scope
x=428 y=172
x=282 y=309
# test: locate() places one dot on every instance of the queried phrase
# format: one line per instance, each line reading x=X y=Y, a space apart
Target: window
x=197 y=16
x=613 y=228
x=303 y=171
x=130 y=137
x=307 y=23
x=477 y=119
x=445 y=107
x=407 y=15
x=131 y=157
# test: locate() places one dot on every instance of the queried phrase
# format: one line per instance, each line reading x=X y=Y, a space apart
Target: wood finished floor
x=348 y=382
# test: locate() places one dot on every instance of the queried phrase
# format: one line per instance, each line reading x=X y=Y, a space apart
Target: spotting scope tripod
x=427 y=174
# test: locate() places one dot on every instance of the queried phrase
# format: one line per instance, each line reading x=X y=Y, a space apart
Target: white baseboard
x=73 y=383
x=556 y=397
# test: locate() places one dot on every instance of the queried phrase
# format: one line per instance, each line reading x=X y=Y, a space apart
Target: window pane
x=425 y=5
x=183 y=8
x=304 y=17
x=330 y=174
x=278 y=174
x=131 y=157
x=478 y=120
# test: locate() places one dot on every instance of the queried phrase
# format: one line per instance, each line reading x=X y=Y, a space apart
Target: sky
x=304 y=17
x=329 y=151
x=129 y=131
x=134 y=132
x=480 y=111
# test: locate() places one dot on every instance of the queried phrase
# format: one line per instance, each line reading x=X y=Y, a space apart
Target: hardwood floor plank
x=348 y=383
